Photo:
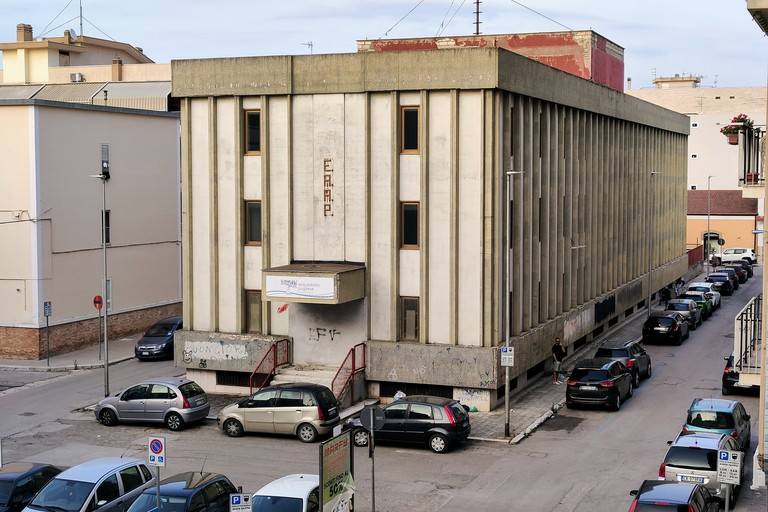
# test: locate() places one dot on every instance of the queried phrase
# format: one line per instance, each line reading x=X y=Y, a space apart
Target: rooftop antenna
x=309 y=45
x=477 y=17
x=81 y=18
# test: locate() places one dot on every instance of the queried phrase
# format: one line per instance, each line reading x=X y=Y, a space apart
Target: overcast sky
x=714 y=39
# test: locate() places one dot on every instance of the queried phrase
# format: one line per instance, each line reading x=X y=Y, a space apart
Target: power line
x=401 y=19
x=540 y=14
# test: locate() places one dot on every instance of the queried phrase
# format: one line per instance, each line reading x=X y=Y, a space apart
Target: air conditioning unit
x=76 y=77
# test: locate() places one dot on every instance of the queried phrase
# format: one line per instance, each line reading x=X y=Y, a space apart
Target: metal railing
x=746 y=346
x=278 y=354
x=353 y=363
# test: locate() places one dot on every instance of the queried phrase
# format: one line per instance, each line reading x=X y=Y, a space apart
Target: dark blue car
x=20 y=481
x=190 y=491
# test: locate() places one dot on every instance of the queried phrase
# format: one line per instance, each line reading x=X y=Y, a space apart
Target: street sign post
x=729 y=471
x=156 y=448
x=47 y=311
x=507 y=356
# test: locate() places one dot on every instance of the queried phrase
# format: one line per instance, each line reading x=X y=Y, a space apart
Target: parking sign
x=156 y=448
x=729 y=467
x=239 y=503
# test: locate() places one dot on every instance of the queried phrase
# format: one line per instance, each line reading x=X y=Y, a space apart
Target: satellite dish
x=72 y=33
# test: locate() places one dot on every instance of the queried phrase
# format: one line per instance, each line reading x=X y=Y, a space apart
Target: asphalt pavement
x=529 y=408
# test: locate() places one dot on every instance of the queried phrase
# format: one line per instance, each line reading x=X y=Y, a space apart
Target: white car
x=707 y=288
x=292 y=493
x=735 y=254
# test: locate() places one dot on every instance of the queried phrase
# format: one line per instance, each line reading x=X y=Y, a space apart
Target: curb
x=533 y=426
x=67 y=368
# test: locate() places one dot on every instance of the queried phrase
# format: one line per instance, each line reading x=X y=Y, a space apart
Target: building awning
x=314 y=283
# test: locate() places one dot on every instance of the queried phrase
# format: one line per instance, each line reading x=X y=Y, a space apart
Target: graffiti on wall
x=317 y=333
x=205 y=351
x=576 y=326
x=328 y=187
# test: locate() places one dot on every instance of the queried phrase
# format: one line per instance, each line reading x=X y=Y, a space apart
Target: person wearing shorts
x=558 y=353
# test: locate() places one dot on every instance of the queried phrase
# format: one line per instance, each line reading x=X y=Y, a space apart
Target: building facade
x=338 y=200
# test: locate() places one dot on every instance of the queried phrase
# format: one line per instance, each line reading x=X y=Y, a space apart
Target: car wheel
x=232 y=427
x=635 y=380
x=649 y=372
x=616 y=401
x=631 y=391
x=108 y=417
x=306 y=433
x=174 y=421
x=693 y=326
x=679 y=340
x=726 y=390
x=438 y=443
x=360 y=437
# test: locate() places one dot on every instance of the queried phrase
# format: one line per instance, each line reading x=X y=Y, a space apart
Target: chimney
x=629 y=83
x=23 y=32
x=117 y=69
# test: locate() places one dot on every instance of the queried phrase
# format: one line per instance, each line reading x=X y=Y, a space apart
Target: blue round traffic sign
x=156 y=446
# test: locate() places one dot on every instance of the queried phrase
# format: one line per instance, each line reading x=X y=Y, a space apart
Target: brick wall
x=28 y=343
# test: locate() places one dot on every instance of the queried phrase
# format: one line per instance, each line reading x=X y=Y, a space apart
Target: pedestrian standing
x=558 y=353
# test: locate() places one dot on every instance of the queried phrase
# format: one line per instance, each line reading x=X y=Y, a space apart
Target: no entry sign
x=98 y=302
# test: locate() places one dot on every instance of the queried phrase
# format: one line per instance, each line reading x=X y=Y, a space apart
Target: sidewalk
x=529 y=408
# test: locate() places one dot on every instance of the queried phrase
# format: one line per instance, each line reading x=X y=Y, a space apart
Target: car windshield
x=276 y=504
x=611 y=352
x=326 y=399
x=691 y=458
x=660 y=506
x=148 y=501
x=678 y=306
x=663 y=321
x=458 y=411
x=718 y=278
x=191 y=389
x=159 y=330
x=710 y=419
x=5 y=491
x=589 y=375
x=698 y=288
x=62 y=495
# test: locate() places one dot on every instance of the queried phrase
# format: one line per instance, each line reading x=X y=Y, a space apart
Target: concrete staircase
x=316 y=374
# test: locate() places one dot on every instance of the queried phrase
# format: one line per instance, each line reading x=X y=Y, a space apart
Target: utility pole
x=477 y=17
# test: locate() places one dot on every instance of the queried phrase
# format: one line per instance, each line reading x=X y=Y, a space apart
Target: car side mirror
x=633 y=492
x=746 y=416
x=726 y=358
x=669 y=443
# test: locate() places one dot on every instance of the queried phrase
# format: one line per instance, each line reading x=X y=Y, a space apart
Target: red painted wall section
x=585 y=54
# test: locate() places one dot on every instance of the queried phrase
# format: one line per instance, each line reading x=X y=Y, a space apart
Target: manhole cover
x=558 y=422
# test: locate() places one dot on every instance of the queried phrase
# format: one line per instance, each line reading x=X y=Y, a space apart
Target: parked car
x=732 y=380
x=599 y=381
x=665 y=326
x=734 y=254
x=629 y=352
x=175 y=401
x=688 y=308
x=157 y=342
x=672 y=497
x=708 y=288
x=740 y=272
x=702 y=300
x=722 y=282
x=192 y=491
x=731 y=274
x=692 y=458
x=20 y=481
x=438 y=422
x=292 y=493
x=301 y=409
x=746 y=265
x=721 y=416
x=109 y=484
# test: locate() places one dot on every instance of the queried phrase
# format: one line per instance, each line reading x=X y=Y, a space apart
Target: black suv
x=731 y=379
x=629 y=352
x=20 y=481
x=722 y=282
x=599 y=381
x=438 y=422
x=673 y=497
x=665 y=326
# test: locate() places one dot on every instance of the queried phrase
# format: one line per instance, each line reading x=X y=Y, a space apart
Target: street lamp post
x=707 y=242
x=650 y=240
x=104 y=177
x=508 y=248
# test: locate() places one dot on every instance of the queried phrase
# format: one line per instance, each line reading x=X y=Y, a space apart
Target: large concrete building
x=58 y=126
x=338 y=200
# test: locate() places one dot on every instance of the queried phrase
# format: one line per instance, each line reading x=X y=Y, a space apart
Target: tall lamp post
x=707 y=242
x=650 y=239
x=508 y=248
x=104 y=176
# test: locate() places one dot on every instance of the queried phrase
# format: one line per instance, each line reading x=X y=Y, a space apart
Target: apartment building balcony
x=751 y=167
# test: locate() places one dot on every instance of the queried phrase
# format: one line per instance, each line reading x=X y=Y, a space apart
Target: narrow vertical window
x=252 y=131
x=410 y=129
x=409 y=318
x=253 y=311
x=105 y=227
x=409 y=229
x=253 y=223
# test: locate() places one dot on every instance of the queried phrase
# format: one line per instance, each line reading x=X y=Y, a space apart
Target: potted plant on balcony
x=738 y=123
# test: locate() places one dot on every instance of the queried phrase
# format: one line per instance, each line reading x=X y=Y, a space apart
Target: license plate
x=694 y=479
x=145 y=353
x=588 y=388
